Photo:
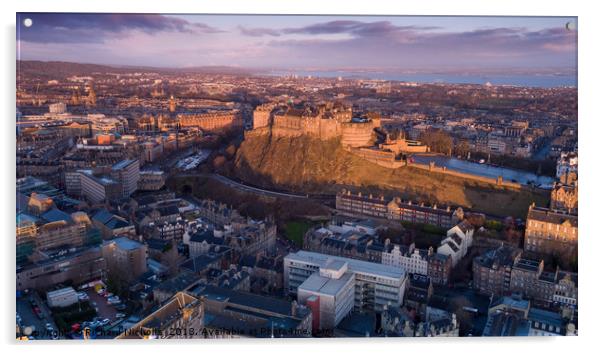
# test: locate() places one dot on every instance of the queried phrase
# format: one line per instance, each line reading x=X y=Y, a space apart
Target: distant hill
x=61 y=69
x=303 y=164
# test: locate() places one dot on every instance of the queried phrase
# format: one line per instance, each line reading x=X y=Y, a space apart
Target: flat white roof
x=58 y=292
x=356 y=266
x=324 y=285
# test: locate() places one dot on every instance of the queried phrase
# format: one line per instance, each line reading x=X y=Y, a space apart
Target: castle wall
x=382 y=158
x=323 y=125
x=499 y=182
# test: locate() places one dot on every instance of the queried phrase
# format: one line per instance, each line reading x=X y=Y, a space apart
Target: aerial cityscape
x=264 y=176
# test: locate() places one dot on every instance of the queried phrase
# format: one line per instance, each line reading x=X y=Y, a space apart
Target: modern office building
x=123 y=253
x=79 y=266
x=332 y=289
x=94 y=188
x=127 y=173
x=376 y=285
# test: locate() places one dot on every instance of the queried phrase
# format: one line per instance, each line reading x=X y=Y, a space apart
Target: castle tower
x=261 y=116
x=172 y=104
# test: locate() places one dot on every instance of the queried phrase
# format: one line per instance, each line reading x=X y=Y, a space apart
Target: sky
x=302 y=42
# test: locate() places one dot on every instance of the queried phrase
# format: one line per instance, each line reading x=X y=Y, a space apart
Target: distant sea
x=542 y=80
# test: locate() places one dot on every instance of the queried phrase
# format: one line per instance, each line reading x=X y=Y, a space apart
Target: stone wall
x=383 y=158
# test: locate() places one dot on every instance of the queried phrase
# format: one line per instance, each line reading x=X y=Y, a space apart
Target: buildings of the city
x=398 y=322
x=180 y=317
x=237 y=314
x=212 y=121
x=122 y=252
x=504 y=271
x=492 y=271
x=78 y=266
x=515 y=316
x=127 y=173
x=459 y=238
x=551 y=232
x=330 y=292
x=396 y=209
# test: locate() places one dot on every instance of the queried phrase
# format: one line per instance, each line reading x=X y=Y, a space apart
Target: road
x=263 y=192
x=29 y=319
x=320 y=198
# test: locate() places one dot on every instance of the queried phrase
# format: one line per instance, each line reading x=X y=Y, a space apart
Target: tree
x=437 y=140
x=462 y=148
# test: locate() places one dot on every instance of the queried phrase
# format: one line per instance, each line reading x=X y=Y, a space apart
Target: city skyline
x=393 y=43
x=220 y=176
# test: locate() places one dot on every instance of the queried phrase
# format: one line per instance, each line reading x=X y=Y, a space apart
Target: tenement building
x=217 y=121
x=504 y=271
x=528 y=278
x=396 y=209
x=565 y=197
x=551 y=232
x=492 y=270
x=376 y=285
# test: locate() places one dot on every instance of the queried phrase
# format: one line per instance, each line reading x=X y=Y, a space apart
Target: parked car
x=120 y=315
x=104 y=322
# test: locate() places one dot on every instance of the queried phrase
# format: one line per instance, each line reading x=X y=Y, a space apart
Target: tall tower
x=91 y=101
x=75 y=98
x=172 y=104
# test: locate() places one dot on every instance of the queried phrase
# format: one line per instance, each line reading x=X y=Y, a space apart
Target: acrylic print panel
x=255 y=176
